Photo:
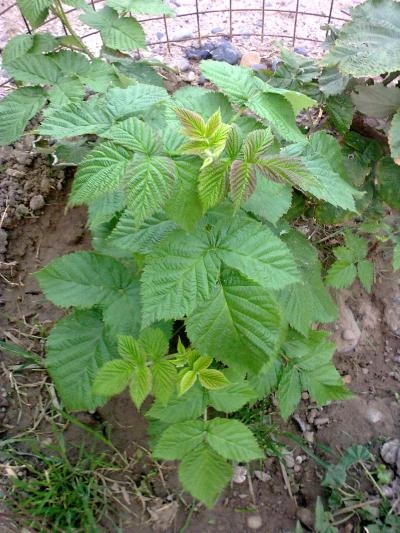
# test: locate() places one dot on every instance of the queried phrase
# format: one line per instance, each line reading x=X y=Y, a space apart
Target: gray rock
x=202 y=79
x=217 y=30
x=390 y=453
x=227 y=53
x=21 y=210
x=301 y=50
x=159 y=35
x=36 y=202
x=180 y=63
x=289 y=460
x=183 y=35
x=348 y=333
x=200 y=52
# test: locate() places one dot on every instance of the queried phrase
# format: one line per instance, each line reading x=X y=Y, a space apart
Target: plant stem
x=356 y=506
x=59 y=12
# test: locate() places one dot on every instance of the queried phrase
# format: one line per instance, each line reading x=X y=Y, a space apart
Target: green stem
x=59 y=12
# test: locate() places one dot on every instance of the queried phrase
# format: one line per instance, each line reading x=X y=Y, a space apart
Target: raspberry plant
x=191 y=199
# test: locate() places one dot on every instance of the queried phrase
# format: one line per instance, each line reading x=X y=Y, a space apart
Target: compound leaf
x=212 y=379
x=341 y=274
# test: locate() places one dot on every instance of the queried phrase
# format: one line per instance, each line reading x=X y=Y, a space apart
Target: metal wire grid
x=264 y=9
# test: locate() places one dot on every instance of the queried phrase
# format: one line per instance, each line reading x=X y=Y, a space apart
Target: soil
x=35 y=227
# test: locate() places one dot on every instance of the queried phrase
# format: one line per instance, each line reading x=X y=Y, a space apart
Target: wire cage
x=249 y=24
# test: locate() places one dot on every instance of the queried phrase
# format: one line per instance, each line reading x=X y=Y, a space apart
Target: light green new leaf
x=131 y=350
x=232 y=397
x=83 y=279
x=35 y=11
x=253 y=249
x=142 y=7
x=394 y=138
x=258 y=143
x=368 y=45
x=112 y=378
x=201 y=363
x=212 y=379
x=155 y=343
x=204 y=474
x=16 y=109
x=118 y=33
x=187 y=381
x=213 y=184
x=179 y=439
x=341 y=274
x=243 y=180
x=240 y=325
x=141 y=385
x=233 y=440
x=179 y=275
x=308 y=301
x=365 y=271
x=396 y=256
x=101 y=171
x=77 y=347
x=289 y=391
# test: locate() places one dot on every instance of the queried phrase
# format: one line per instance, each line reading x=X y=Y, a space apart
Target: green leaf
x=325 y=384
x=368 y=45
x=270 y=200
x=308 y=301
x=134 y=135
x=164 y=380
x=204 y=474
x=35 y=11
x=179 y=408
x=340 y=111
x=83 y=279
x=86 y=118
x=341 y=274
x=184 y=206
x=100 y=172
x=119 y=33
x=204 y=102
x=231 y=397
x=394 y=138
x=123 y=314
x=332 y=82
x=376 y=101
x=179 y=275
x=143 y=7
x=77 y=347
x=365 y=271
x=388 y=175
x=179 y=439
x=396 y=257
x=16 y=109
x=131 y=350
x=356 y=245
x=134 y=100
x=37 y=69
x=253 y=249
x=67 y=91
x=289 y=391
x=212 y=379
x=202 y=363
x=243 y=181
x=187 y=381
x=236 y=82
x=154 y=342
x=240 y=325
x=265 y=381
x=213 y=184
x=140 y=386
x=233 y=440
x=112 y=378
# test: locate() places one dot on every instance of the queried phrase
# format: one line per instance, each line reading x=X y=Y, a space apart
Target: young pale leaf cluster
x=186 y=195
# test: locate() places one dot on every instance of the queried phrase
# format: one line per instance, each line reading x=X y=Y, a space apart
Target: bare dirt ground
x=35 y=228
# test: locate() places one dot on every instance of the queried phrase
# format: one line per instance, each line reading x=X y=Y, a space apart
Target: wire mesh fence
x=255 y=21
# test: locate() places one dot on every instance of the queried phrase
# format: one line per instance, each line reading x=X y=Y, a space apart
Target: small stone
x=239 y=474
x=302 y=51
x=45 y=185
x=289 y=460
x=200 y=52
x=180 y=63
x=254 y=521
x=348 y=335
x=365 y=371
x=249 y=59
x=216 y=30
x=390 y=452
x=374 y=415
x=14 y=173
x=227 y=53
x=159 y=35
x=23 y=158
x=297 y=468
x=202 y=79
x=309 y=436
x=262 y=476
x=396 y=359
x=346 y=379
x=298 y=459
x=36 y=202
x=321 y=421
x=189 y=76
x=311 y=415
x=21 y=210
x=305 y=395
x=183 y=35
